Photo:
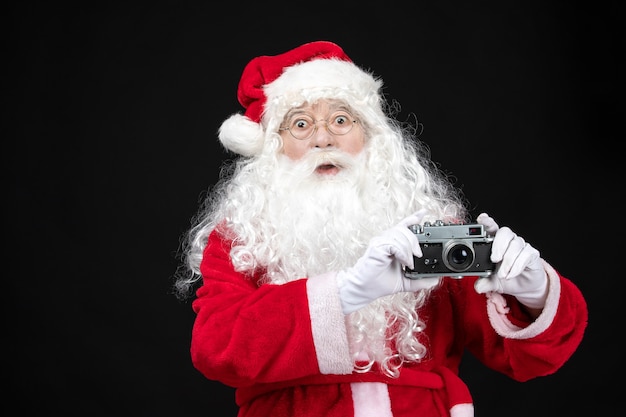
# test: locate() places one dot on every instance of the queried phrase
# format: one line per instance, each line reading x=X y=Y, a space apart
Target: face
x=323 y=125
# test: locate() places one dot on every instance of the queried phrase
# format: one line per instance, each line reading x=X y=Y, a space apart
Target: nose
x=322 y=137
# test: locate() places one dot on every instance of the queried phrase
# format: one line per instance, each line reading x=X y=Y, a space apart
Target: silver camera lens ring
x=450 y=248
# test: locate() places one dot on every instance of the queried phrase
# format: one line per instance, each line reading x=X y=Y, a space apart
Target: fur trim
x=497 y=310
x=320 y=78
x=328 y=326
x=241 y=135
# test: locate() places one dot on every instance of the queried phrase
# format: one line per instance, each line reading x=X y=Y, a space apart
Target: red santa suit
x=286 y=351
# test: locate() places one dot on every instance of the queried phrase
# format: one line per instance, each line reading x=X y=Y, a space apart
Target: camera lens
x=457 y=255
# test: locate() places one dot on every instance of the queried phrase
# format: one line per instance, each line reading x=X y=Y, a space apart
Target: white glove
x=379 y=271
x=519 y=271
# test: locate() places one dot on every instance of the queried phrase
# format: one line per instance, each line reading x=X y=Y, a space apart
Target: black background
x=111 y=114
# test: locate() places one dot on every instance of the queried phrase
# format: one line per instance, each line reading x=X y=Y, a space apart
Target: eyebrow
x=331 y=109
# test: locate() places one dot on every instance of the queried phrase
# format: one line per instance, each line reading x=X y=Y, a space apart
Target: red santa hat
x=272 y=85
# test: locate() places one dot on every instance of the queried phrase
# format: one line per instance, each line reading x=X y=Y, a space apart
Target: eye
x=340 y=119
x=301 y=123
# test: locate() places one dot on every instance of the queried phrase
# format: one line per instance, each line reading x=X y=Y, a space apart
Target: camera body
x=452 y=250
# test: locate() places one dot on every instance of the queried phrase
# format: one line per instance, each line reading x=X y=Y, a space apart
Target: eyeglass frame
x=352 y=119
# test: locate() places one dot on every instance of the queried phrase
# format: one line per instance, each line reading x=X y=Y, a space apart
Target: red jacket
x=285 y=347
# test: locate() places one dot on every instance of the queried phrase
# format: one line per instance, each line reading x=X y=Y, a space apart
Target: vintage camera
x=452 y=250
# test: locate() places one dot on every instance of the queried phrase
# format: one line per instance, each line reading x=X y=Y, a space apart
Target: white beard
x=298 y=224
x=321 y=223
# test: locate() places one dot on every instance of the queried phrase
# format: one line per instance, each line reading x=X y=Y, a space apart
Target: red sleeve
x=244 y=333
x=507 y=341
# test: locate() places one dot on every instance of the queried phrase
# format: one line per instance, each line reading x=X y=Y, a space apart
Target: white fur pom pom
x=241 y=135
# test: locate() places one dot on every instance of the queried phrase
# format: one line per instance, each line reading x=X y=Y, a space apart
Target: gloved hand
x=519 y=271
x=379 y=271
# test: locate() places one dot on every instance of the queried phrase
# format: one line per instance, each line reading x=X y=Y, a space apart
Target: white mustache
x=318 y=157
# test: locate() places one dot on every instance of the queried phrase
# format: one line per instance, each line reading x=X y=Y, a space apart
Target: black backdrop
x=110 y=139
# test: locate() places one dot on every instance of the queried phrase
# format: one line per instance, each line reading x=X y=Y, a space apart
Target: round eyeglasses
x=303 y=126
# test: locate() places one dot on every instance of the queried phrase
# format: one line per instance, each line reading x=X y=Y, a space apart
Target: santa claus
x=299 y=257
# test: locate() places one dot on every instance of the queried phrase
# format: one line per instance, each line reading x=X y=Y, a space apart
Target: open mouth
x=327 y=169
